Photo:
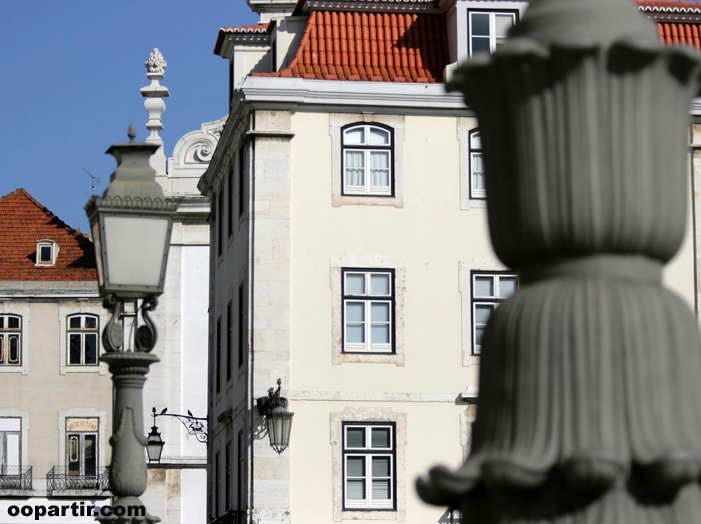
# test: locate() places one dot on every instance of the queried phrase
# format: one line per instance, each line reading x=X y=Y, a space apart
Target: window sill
x=367 y=200
x=370 y=358
x=369 y=514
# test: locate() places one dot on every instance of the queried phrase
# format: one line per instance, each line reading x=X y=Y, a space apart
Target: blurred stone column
x=591 y=373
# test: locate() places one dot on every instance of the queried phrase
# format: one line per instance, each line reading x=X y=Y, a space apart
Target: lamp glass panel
x=98 y=252
x=135 y=248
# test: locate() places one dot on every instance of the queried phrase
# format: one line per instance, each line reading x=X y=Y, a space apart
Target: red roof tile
x=669 y=5
x=377 y=47
x=24 y=221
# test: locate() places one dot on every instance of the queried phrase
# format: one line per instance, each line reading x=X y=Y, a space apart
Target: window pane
x=380 y=437
x=90 y=455
x=380 y=489
x=379 y=136
x=13 y=454
x=484 y=286
x=355 y=467
x=13 y=322
x=355 y=334
x=480 y=25
x=355 y=284
x=90 y=348
x=380 y=334
x=90 y=322
x=45 y=254
x=355 y=312
x=13 y=357
x=502 y=24
x=355 y=136
x=479 y=335
x=379 y=177
x=379 y=312
x=2 y=322
x=379 y=159
x=477 y=163
x=355 y=168
x=379 y=284
x=507 y=286
x=482 y=313
x=356 y=490
x=475 y=141
x=74 y=322
x=74 y=350
x=355 y=437
x=480 y=44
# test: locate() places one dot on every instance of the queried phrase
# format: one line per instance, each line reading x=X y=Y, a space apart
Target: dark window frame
x=82 y=331
x=366 y=147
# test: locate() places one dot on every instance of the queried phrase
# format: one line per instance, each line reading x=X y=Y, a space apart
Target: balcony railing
x=59 y=478
x=231 y=517
x=16 y=477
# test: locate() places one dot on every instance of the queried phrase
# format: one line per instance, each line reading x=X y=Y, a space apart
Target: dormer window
x=487 y=29
x=47 y=251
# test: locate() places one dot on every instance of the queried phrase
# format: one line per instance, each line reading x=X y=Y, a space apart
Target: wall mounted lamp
x=278 y=419
x=196 y=426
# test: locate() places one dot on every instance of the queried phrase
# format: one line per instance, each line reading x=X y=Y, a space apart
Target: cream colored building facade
x=363 y=283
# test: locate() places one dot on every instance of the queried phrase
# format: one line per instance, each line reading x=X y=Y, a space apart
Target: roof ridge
x=20 y=191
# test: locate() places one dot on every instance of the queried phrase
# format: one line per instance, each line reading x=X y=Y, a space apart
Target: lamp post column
x=128 y=473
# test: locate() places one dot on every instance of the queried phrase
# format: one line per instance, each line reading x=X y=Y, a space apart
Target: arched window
x=367 y=160
x=10 y=340
x=83 y=340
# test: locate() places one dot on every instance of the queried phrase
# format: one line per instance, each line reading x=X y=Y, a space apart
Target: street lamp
x=278 y=420
x=196 y=426
x=131 y=226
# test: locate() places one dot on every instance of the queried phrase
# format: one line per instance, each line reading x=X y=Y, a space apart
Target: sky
x=70 y=74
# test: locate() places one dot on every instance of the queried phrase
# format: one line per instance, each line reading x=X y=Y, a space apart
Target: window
x=217 y=483
x=229 y=337
x=82 y=340
x=369 y=466
x=487 y=29
x=10 y=439
x=230 y=203
x=81 y=446
x=478 y=188
x=488 y=291
x=47 y=251
x=220 y=220
x=239 y=473
x=227 y=494
x=242 y=179
x=240 y=330
x=10 y=340
x=368 y=311
x=217 y=363
x=367 y=160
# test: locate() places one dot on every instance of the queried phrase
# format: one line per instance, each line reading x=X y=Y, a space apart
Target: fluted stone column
x=591 y=373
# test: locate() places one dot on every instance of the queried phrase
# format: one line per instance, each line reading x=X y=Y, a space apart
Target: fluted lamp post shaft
x=590 y=374
x=131 y=226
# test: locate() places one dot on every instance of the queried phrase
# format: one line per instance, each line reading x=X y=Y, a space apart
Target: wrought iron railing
x=16 y=477
x=60 y=478
x=231 y=517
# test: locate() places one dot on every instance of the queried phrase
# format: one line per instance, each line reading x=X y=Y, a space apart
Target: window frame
x=493 y=300
x=493 y=38
x=8 y=333
x=476 y=193
x=82 y=331
x=368 y=452
x=368 y=149
x=368 y=300
x=4 y=471
x=54 y=249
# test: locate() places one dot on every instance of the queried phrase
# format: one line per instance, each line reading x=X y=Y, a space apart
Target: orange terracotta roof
x=680 y=34
x=377 y=47
x=23 y=221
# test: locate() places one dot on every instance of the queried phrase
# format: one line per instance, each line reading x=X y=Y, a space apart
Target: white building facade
x=350 y=258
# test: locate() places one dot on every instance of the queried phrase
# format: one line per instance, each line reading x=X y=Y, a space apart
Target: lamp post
x=277 y=419
x=131 y=226
x=589 y=376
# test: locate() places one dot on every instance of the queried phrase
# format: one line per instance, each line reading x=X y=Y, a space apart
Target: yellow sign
x=82 y=424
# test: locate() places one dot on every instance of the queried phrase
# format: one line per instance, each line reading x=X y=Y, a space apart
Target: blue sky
x=71 y=74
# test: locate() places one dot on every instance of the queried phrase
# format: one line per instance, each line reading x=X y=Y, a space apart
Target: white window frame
x=6 y=335
x=368 y=453
x=490 y=301
x=10 y=426
x=338 y=122
x=380 y=416
x=475 y=154
x=63 y=432
x=367 y=149
x=494 y=39
x=81 y=332
x=65 y=312
x=53 y=252
x=368 y=300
